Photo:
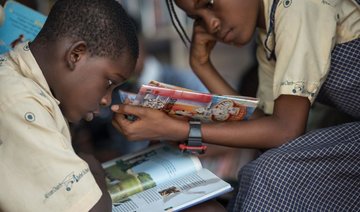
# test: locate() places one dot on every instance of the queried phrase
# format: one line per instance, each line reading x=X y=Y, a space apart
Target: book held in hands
x=182 y=102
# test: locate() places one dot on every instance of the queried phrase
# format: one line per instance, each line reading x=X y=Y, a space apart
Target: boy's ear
x=75 y=53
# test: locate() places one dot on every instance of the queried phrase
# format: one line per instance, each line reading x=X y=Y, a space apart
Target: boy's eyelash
x=110 y=83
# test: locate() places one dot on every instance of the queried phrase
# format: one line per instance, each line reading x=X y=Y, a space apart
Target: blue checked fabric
x=319 y=171
x=342 y=86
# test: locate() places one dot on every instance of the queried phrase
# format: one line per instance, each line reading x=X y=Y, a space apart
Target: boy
x=85 y=49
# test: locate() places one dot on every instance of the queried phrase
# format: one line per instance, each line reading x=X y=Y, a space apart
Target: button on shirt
x=38 y=167
x=305 y=32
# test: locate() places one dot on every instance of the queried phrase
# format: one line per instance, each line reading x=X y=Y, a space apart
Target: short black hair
x=103 y=24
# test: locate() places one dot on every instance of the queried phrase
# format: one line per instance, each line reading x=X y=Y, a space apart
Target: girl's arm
x=287 y=122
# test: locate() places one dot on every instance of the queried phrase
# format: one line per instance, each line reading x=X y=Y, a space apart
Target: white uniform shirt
x=305 y=33
x=38 y=167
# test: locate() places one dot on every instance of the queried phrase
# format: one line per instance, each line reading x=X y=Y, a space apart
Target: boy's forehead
x=124 y=66
x=122 y=74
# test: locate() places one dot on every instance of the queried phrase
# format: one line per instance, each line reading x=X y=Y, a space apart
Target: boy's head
x=85 y=49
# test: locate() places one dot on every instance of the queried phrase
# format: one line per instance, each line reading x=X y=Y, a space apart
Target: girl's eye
x=210 y=3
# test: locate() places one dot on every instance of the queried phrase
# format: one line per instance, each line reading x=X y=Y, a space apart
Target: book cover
x=160 y=178
x=21 y=24
x=177 y=101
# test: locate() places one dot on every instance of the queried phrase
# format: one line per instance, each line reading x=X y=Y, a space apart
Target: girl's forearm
x=260 y=131
x=286 y=123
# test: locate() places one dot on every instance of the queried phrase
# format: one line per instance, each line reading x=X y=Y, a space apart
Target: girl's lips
x=228 y=37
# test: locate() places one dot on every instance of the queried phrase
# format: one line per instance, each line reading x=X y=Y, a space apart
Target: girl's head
x=230 y=21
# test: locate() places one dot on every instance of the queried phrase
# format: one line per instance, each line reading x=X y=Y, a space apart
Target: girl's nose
x=213 y=25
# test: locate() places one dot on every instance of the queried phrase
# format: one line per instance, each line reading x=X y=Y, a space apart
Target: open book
x=160 y=178
x=177 y=101
x=21 y=24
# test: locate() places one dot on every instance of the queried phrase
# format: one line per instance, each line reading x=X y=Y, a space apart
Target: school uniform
x=38 y=167
x=310 y=48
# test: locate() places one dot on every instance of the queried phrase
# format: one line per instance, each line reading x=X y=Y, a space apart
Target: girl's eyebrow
x=197 y=5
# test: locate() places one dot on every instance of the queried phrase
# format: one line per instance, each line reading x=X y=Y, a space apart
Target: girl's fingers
x=127 y=109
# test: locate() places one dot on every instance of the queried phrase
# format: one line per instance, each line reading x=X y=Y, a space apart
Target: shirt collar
x=29 y=67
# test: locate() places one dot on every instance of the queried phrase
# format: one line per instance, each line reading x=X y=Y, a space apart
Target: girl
x=307 y=51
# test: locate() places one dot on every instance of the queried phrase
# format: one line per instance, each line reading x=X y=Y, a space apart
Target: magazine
x=160 y=178
x=177 y=101
x=20 y=24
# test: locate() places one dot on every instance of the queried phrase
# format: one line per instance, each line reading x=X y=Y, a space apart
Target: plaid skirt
x=319 y=171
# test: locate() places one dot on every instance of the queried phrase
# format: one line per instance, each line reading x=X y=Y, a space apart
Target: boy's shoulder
x=16 y=88
x=11 y=81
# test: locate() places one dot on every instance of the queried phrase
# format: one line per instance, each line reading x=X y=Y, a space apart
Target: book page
x=131 y=174
x=21 y=24
x=177 y=194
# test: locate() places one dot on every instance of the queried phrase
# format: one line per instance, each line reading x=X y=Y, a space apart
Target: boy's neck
x=44 y=56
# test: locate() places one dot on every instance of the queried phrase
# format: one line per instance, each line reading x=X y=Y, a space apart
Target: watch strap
x=194 y=143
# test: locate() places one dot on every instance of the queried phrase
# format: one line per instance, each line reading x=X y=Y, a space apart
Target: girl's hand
x=202 y=44
x=150 y=124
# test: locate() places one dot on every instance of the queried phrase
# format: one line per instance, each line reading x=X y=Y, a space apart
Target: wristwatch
x=194 y=143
